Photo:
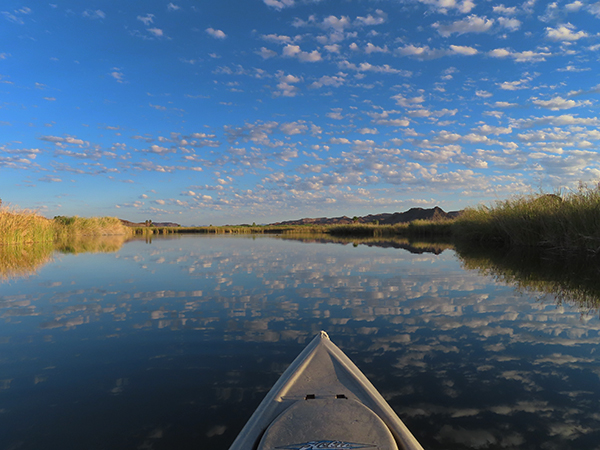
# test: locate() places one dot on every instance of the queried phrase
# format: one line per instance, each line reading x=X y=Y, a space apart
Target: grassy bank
x=233 y=229
x=24 y=227
x=88 y=226
x=568 y=223
x=415 y=229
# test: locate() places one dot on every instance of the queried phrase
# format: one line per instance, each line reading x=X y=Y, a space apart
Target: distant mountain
x=127 y=223
x=382 y=219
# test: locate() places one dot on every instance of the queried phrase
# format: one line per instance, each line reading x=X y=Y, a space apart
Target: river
x=172 y=343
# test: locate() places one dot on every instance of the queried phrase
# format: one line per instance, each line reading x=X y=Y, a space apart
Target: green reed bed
x=22 y=227
x=89 y=226
x=232 y=229
x=417 y=228
x=568 y=223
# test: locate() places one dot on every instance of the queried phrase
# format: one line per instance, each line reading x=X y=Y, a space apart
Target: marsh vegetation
x=565 y=223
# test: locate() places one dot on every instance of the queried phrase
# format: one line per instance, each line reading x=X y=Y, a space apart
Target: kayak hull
x=323 y=401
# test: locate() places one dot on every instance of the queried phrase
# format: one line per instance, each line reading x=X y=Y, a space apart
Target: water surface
x=173 y=343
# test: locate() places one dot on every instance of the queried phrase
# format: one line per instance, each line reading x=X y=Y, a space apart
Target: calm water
x=172 y=344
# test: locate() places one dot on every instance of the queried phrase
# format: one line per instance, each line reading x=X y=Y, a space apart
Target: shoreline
x=565 y=224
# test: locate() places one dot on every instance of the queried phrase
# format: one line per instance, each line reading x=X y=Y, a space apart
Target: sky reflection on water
x=173 y=344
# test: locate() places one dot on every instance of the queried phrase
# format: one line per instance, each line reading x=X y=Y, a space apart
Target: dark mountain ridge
x=382 y=219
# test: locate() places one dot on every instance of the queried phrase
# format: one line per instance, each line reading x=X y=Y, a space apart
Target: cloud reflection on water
x=465 y=360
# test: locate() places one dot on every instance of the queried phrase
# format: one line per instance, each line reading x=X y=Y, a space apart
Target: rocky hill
x=382 y=219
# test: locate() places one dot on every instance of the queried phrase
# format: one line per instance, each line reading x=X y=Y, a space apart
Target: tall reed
x=88 y=226
x=22 y=227
x=565 y=223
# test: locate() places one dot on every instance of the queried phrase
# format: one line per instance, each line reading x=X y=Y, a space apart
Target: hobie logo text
x=319 y=445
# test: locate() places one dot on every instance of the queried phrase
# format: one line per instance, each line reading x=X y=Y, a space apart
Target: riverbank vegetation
x=89 y=226
x=22 y=227
x=25 y=227
x=564 y=223
x=568 y=223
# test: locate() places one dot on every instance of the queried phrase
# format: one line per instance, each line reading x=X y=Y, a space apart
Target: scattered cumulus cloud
x=279 y=4
x=565 y=33
x=558 y=103
x=470 y=24
x=117 y=74
x=94 y=14
x=294 y=51
x=147 y=19
x=217 y=34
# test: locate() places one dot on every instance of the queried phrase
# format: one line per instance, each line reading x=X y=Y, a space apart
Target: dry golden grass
x=21 y=227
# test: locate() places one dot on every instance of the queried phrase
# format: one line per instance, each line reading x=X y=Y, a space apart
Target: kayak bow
x=323 y=401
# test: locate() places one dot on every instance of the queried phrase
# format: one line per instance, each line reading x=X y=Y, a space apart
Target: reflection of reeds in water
x=21 y=260
x=571 y=281
x=90 y=244
x=433 y=246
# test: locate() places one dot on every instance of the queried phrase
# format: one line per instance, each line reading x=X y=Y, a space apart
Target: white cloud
x=508 y=11
x=367 y=131
x=595 y=9
x=393 y=122
x=335 y=114
x=526 y=56
x=574 y=7
x=370 y=48
x=117 y=74
x=483 y=94
x=173 y=7
x=294 y=51
x=335 y=23
x=510 y=24
x=470 y=24
x=156 y=32
x=513 y=85
x=94 y=14
x=408 y=102
x=367 y=67
x=265 y=53
x=499 y=53
x=557 y=103
x=443 y=6
x=423 y=53
x=557 y=121
x=327 y=80
x=279 y=39
x=564 y=33
x=218 y=34
x=285 y=87
x=279 y=4
x=334 y=48
x=379 y=18
x=462 y=50
x=292 y=128
x=147 y=19
x=486 y=130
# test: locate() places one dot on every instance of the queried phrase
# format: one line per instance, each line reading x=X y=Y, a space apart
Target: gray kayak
x=323 y=401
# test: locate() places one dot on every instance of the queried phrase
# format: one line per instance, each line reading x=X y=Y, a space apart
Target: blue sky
x=239 y=111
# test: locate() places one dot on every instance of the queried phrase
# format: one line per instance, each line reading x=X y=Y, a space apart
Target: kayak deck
x=323 y=400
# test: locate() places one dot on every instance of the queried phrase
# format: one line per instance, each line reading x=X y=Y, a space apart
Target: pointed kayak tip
x=324 y=335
